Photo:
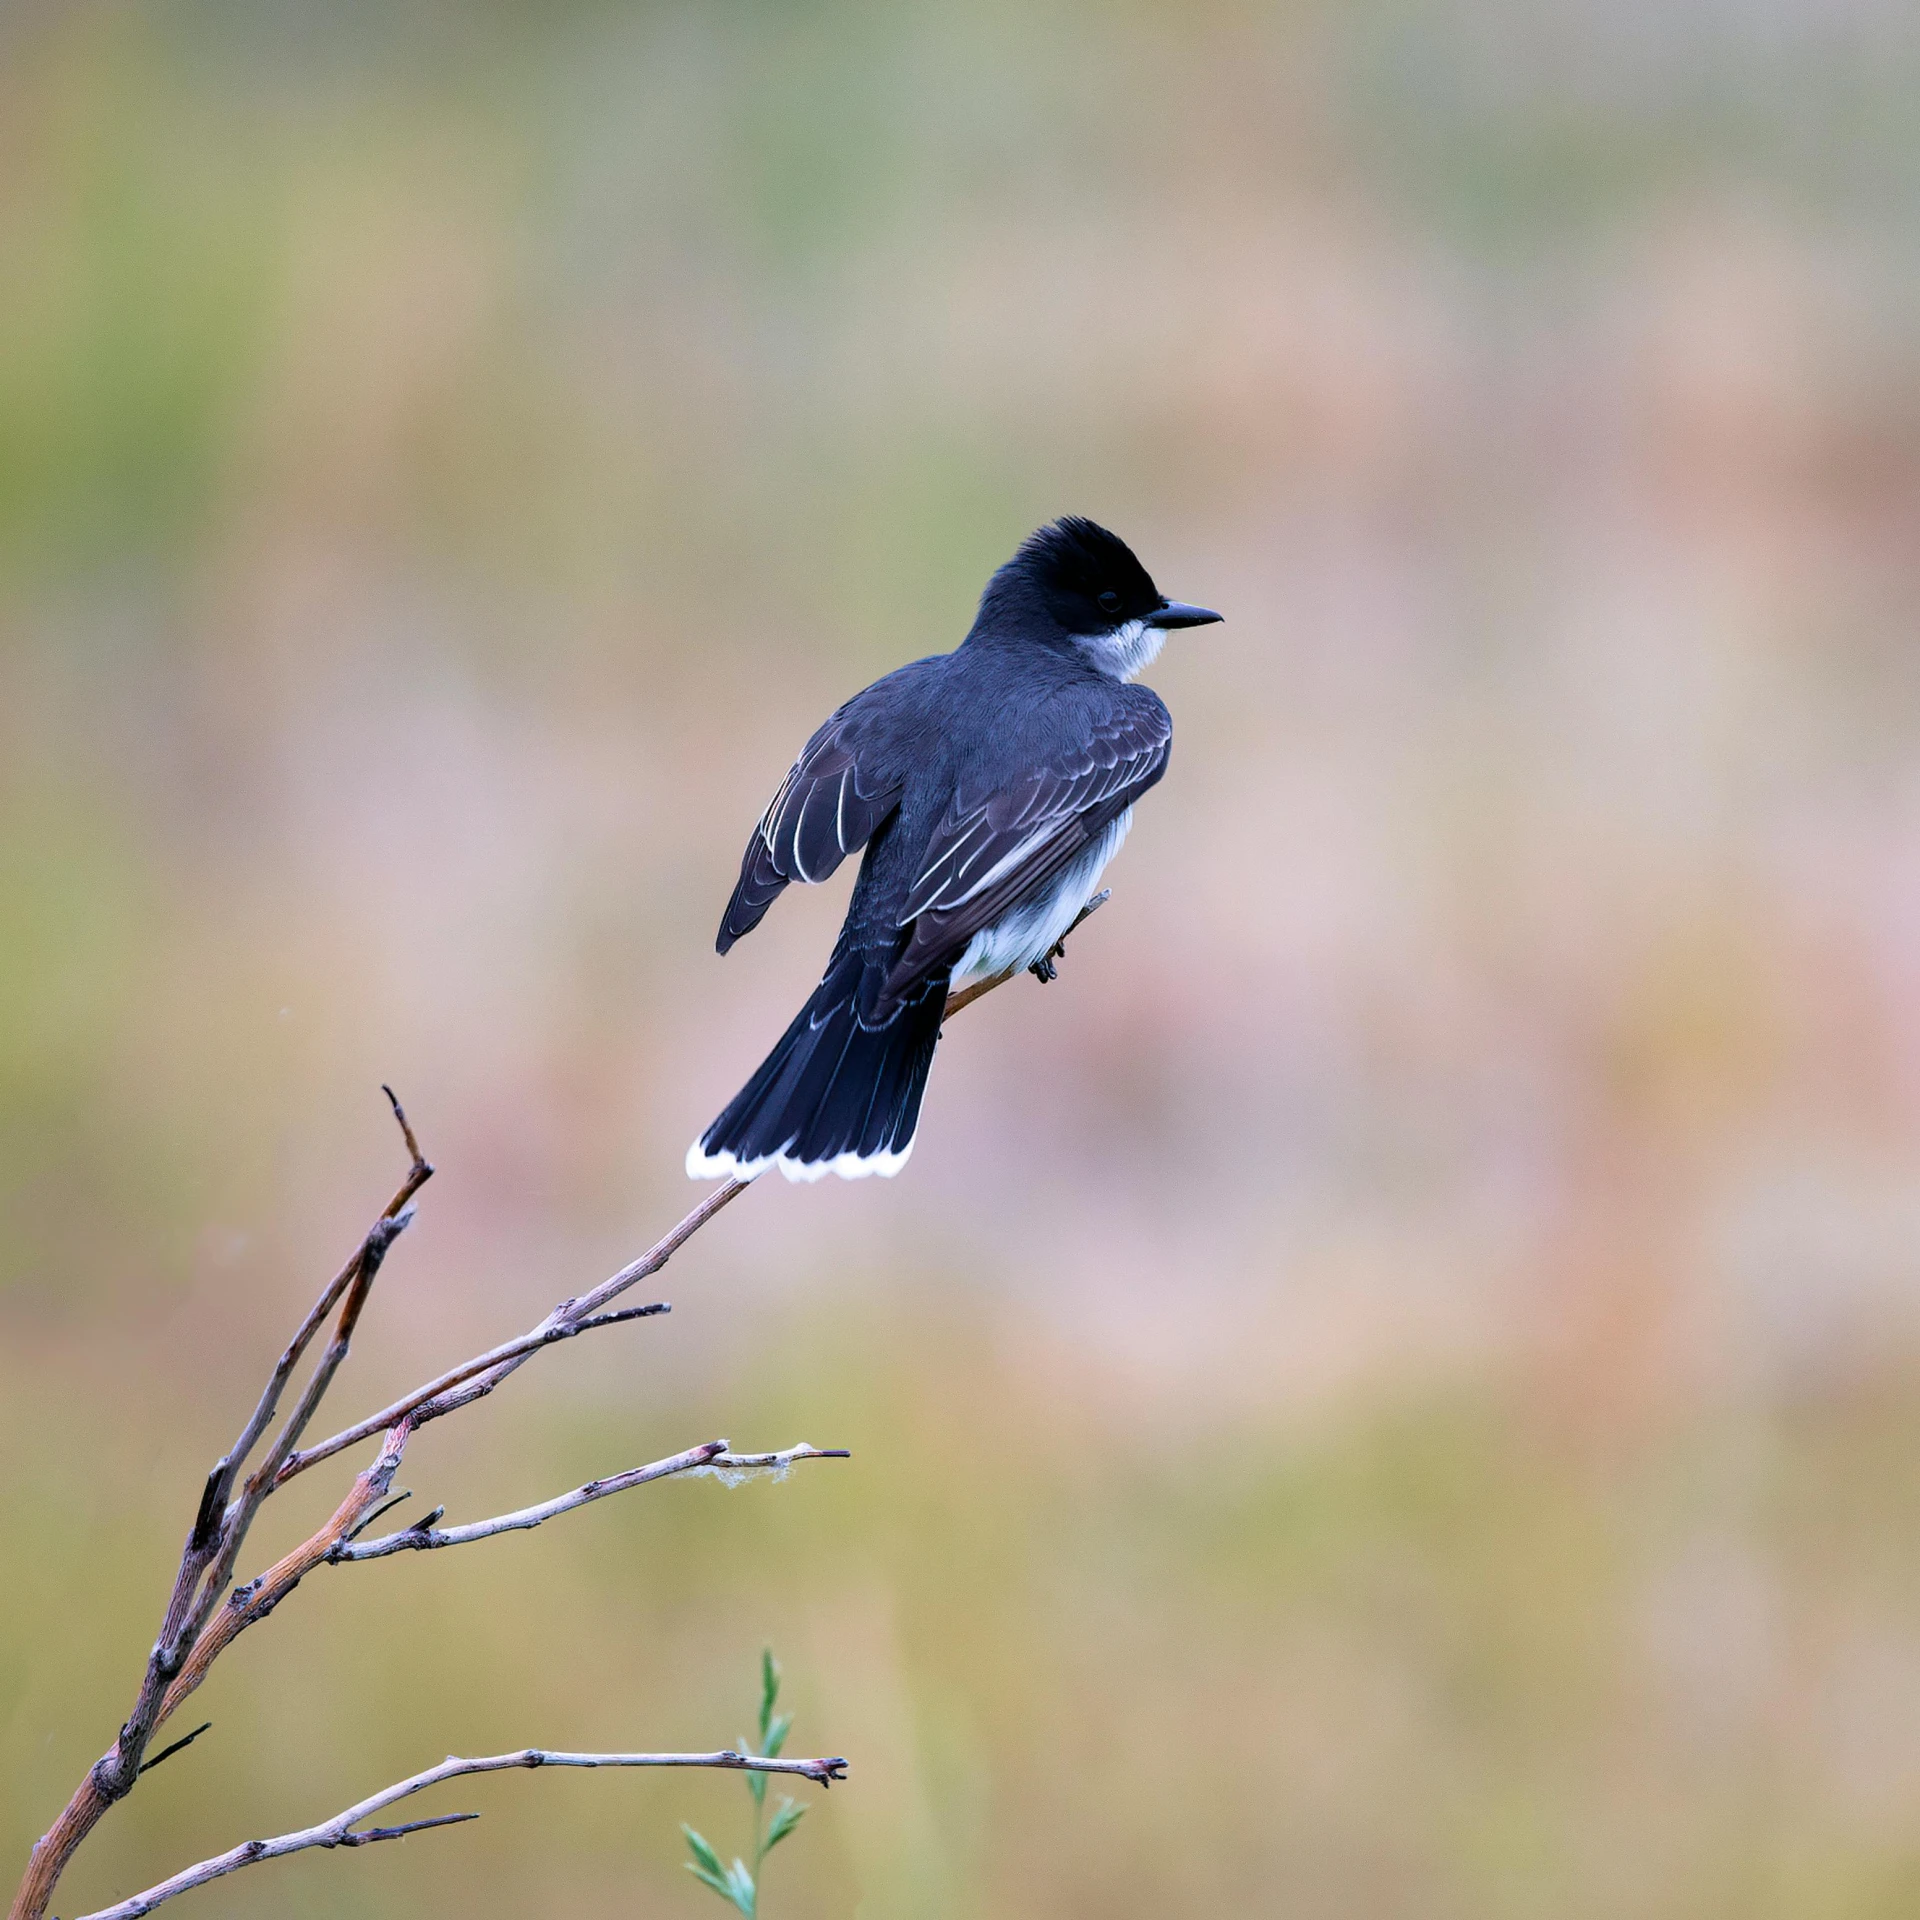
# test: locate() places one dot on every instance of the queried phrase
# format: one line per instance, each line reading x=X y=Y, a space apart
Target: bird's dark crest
x=1081 y=556
x=1066 y=567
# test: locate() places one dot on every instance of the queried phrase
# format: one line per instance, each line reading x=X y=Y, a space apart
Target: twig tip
x=419 y=1159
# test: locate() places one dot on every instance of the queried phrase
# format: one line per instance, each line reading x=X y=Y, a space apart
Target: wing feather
x=990 y=852
x=827 y=807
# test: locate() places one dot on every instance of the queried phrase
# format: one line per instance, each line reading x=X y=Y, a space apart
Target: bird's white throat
x=1126 y=651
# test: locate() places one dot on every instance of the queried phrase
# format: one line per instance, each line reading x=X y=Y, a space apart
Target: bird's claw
x=1043 y=969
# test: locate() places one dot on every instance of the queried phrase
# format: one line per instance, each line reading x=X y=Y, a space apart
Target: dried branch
x=381 y=1235
x=197 y=1627
x=219 y=1482
x=423 y=1537
x=337 y=1832
x=247 y=1606
x=474 y=1379
x=239 y=1517
x=547 y=1334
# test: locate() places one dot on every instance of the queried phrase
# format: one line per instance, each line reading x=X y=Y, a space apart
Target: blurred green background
x=1394 y=1389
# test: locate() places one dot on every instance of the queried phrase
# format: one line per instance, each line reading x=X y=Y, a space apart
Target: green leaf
x=769 y=1688
x=757 y=1786
x=709 y=1867
x=786 y=1817
x=773 y=1738
x=740 y=1887
x=707 y=1879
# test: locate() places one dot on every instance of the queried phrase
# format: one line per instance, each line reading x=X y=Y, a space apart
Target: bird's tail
x=840 y=1093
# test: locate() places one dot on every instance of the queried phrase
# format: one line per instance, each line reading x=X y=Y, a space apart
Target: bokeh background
x=1394 y=1388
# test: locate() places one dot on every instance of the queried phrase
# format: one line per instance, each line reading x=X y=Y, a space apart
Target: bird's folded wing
x=828 y=806
x=988 y=854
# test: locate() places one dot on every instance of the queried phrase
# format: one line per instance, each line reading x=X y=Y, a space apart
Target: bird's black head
x=1074 y=581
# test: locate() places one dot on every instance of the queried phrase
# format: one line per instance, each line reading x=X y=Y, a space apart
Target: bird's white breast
x=1033 y=928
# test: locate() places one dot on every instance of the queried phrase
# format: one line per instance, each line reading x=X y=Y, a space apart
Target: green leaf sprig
x=736 y=1882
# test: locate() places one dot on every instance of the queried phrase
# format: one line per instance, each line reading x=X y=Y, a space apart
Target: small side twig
x=424 y=1536
x=385 y=1507
x=338 y=1832
x=179 y=1746
x=400 y=1832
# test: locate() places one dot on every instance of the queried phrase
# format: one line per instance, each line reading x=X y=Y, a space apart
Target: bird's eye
x=1109 y=602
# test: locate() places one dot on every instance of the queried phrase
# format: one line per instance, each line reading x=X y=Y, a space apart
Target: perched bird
x=989 y=787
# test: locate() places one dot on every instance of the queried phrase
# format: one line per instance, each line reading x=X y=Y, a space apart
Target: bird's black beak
x=1176 y=613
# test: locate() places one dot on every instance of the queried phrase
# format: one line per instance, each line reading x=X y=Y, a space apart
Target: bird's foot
x=1043 y=969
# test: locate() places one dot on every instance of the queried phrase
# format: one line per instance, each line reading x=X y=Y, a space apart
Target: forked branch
x=202 y=1617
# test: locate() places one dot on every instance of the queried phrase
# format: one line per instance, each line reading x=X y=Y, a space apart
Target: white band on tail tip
x=849 y=1166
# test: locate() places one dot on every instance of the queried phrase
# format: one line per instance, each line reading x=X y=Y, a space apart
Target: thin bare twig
x=474 y=1379
x=547 y=1334
x=414 y=1154
x=220 y=1530
x=261 y=1482
x=424 y=1537
x=385 y=1507
x=356 y=1282
x=337 y=1832
x=406 y=1827
x=419 y=1172
x=179 y=1746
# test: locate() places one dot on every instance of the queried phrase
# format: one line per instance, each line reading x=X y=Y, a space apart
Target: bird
x=989 y=787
